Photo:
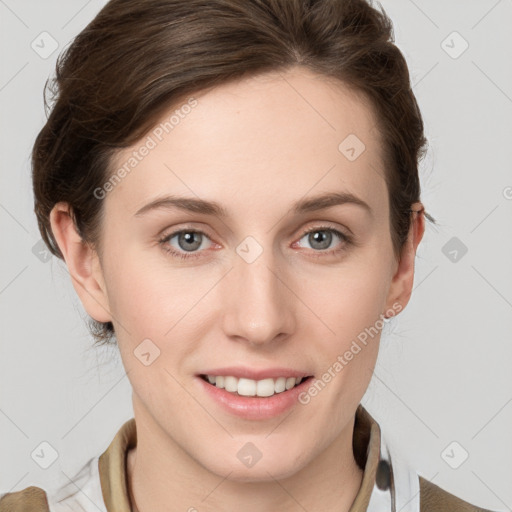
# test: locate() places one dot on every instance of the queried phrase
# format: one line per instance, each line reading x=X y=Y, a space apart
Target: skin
x=255 y=146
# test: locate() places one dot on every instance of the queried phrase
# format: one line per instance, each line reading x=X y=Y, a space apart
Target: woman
x=234 y=188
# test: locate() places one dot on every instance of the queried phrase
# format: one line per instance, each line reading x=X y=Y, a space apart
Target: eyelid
x=322 y=224
x=203 y=228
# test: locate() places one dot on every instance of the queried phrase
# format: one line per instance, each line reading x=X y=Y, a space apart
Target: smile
x=249 y=387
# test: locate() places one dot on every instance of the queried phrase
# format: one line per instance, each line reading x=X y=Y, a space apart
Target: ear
x=403 y=279
x=82 y=262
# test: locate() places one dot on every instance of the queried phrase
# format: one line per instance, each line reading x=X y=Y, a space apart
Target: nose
x=259 y=305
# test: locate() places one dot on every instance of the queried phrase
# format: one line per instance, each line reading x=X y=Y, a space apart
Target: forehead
x=274 y=136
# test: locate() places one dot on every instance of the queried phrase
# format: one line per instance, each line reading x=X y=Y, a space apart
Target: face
x=275 y=285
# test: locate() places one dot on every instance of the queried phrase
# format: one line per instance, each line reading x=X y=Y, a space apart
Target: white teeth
x=280 y=384
x=290 y=382
x=265 y=387
x=231 y=384
x=250 y=387
x=246 y=387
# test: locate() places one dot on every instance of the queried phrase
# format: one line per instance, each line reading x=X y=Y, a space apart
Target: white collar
x=83 y=493
x=403 y=493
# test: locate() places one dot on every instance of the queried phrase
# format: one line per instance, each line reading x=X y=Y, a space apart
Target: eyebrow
x=213 y=208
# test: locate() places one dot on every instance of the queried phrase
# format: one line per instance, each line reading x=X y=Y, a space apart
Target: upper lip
x=256 y=374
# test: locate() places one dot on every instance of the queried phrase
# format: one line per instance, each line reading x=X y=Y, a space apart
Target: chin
x=261 y=474
x=259 y=471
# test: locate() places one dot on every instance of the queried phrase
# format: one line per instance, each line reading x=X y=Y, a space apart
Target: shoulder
x=435 y=499
x=30 y=499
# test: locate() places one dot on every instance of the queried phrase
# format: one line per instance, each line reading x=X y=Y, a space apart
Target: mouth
x=254 y=388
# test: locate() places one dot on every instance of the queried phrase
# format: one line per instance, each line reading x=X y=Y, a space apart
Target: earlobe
x=82 y=262
x=403 y=279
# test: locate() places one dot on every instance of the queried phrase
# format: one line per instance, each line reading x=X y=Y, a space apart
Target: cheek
x=348 y=304
x=146 y=296
x=133 y=306
x=351 y=296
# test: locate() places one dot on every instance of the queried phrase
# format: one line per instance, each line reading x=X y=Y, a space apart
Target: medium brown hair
x=138 y=57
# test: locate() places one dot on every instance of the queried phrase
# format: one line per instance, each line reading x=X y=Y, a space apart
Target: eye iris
x=188 y=236
x=322 y=238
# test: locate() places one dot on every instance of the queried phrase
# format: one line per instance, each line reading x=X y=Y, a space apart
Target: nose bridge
x=260 y=306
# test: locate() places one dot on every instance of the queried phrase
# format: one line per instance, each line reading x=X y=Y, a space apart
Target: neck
x=160 y=473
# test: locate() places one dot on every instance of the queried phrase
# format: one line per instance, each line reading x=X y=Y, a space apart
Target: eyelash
x=346 y=240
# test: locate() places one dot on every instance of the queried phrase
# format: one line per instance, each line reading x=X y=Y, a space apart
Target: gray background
x=444 y=370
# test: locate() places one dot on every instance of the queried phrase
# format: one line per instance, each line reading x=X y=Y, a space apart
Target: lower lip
x=255 y=408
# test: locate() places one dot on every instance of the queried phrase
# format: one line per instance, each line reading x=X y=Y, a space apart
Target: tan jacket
x=104 y=481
